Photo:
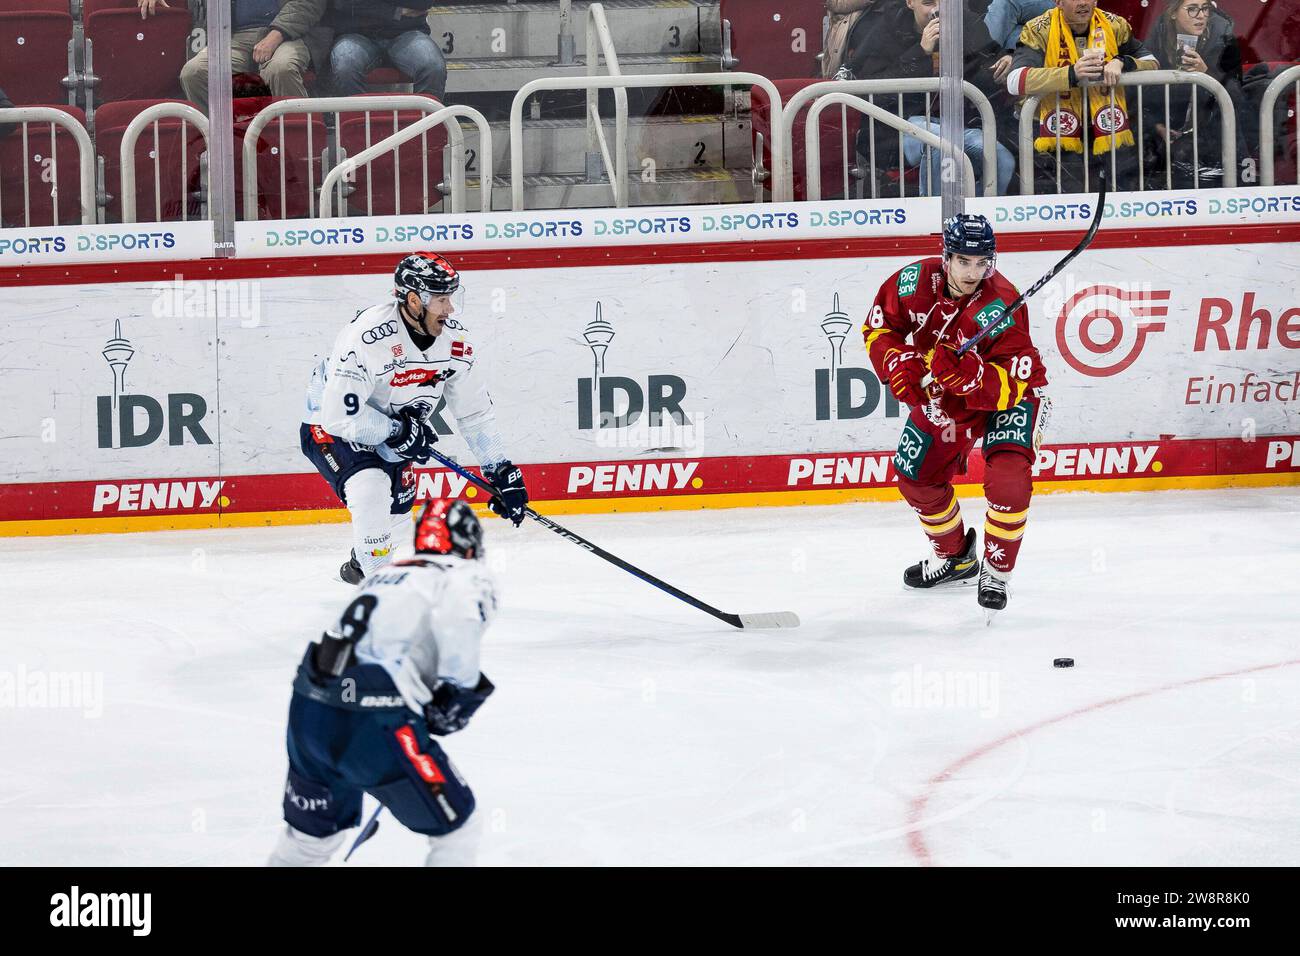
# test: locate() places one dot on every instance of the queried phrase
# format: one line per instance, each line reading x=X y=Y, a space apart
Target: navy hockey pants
x=338 y=460
x=336 y=754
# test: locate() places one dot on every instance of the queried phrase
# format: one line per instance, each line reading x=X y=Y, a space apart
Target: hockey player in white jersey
x=401 y=664
x=372 y=403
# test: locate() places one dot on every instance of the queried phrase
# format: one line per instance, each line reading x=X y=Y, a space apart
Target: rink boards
x=637 y=377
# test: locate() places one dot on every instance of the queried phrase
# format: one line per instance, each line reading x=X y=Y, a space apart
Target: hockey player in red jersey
x=921 y=317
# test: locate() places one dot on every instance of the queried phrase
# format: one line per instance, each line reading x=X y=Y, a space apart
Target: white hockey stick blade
x=770 y=619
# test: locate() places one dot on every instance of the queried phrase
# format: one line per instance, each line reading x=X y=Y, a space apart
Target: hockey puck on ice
x=1063 y=662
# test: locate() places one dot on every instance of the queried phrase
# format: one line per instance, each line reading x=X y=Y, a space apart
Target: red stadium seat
x=1285 y=141
x=34 y=50
x=382 y=187
x=130 y=58
x=1140 y=14
x=43 y=158
x=832 y=164
x=1266 y=29
x=381 y=76
x=778 y=38
x=27 y=6
x=177 y=147
x=299 y=158
x=386 y=76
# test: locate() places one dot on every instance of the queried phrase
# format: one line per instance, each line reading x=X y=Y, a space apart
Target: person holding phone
x=904 y=42
x=1197 y=37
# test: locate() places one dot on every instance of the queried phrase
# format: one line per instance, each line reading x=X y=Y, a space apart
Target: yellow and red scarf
x=1109 y=126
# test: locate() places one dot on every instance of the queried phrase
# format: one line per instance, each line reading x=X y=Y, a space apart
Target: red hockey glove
x=961 y=376
x=904 y=370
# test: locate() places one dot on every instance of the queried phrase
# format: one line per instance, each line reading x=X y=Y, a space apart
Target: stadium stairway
x=684 y=146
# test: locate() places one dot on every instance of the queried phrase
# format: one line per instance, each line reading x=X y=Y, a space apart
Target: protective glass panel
x=98 y=64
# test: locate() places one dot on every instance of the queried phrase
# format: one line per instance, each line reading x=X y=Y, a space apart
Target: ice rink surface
x=627 y=728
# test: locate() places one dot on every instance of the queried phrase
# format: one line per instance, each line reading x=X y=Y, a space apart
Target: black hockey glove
x=452 y=705
x=511 y=496
x=414 y=436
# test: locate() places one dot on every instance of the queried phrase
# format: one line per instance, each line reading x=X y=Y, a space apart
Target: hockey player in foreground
x=370 y=406
x=402 y=663
x=922 y=315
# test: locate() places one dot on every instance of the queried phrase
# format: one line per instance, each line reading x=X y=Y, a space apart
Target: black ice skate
x=938 y=572
x=992 y=593
x=351 y=572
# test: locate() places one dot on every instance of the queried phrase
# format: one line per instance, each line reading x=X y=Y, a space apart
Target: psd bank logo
x=847 y=393
x=1102 y=329
x=133 y=421
x=615 y=401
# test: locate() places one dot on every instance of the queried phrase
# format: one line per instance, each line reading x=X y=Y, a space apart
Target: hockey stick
x=768 y=619
x=1086 y=241
x=366 y=833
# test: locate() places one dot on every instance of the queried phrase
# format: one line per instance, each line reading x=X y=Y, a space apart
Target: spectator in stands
x=1004 y=20
x=905 y=43
x=844 y=15
x=6 y=104
x=1214 y=53
x=268 y=37
x=370 y=31
x=1048 y=61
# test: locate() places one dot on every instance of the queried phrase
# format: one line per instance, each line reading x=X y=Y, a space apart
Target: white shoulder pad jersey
x=424 y=622
x=375 y=369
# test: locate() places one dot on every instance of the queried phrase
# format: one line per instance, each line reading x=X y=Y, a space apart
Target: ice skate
x=992 y=593
x=946 y=572
x=350 y=572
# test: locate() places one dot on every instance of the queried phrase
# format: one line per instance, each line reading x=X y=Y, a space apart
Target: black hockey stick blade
x=770 y=619
x=367 y=831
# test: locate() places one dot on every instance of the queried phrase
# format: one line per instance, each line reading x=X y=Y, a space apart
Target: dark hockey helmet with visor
x=448 y=527
x=426 y=274
x=970 y=235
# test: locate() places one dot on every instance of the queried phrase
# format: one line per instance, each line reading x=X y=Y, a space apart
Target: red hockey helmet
x=448 y=527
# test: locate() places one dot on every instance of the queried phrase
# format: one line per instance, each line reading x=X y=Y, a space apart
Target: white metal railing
x=448 y=116
x=25 y=115
x=150 y=117
x=335 y=105
x=601 y=42
x=813 y=146
x=860 y=88
x=620 y=145
x=1269 y=101
x=1166 y=78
